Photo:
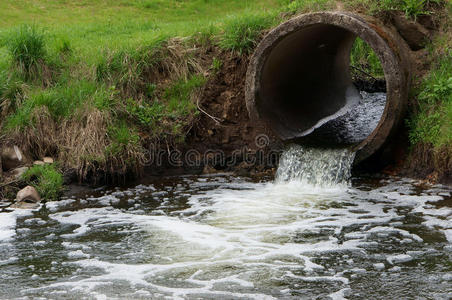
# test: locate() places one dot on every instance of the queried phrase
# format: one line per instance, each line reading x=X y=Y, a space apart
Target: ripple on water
x=227 y=237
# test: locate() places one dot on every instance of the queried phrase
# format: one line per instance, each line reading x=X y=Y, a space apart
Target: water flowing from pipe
x=323 y=168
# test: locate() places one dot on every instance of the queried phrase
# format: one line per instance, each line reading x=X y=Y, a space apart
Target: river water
x=305 y=235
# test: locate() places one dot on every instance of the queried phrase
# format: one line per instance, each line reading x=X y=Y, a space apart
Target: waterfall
x=316 y=167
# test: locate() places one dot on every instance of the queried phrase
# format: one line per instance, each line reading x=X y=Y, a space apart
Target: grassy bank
x=94 y=83
x=119 y=75
x=430 y=121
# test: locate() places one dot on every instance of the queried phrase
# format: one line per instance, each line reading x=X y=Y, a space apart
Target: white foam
x=8 y=223
x=77 y=254
x=379 y=266
x=233 y=234
x=448 y=234
x=400 y=258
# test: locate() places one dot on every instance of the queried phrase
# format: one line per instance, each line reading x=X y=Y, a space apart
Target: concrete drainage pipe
x=298 y=77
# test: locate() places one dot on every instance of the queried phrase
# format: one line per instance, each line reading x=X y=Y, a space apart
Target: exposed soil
x=246 y=147
x=223 y=99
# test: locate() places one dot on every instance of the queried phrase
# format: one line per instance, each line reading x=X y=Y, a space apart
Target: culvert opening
x=300 y=83
x=362 y=115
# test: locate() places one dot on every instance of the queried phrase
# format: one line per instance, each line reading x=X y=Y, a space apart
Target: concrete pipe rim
x=391 y=52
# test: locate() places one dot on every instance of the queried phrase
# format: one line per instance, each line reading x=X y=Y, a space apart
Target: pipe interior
x=306 y=82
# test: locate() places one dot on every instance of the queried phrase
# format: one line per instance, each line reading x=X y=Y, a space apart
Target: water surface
x=225 y=237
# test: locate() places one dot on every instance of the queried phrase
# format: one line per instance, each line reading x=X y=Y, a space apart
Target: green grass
x=364 y=58
x=178 y=96
x=295 y=6
x=47 y=180
x=241 y=32
x=61 y=101
x=111 y=64
x=432 y=124
x=167 y=114
x=26 y=46
x=126 y=73
x=11 y=92
x=411 y=8
x=122 y=138
x=93 y=26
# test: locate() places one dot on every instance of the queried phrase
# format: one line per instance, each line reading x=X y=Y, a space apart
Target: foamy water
x=310 y=167
x=226 y=237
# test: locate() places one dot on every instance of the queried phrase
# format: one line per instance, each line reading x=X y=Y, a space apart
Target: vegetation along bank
x=120 y=87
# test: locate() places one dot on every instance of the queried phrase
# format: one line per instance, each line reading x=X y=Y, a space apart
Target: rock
x=39 y=163
x=27 y=198
x=24 y=205
x=243 y=169
x=209 y=170
x=28 y=194
x=412 y=32
x=48 y=160
x=12 y=158
x=18 y=172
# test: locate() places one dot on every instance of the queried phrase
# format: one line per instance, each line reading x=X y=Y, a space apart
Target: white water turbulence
x=308 y=235
x=324 y=168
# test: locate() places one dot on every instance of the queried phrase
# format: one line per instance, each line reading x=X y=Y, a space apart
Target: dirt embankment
x=223 y=138
x=224 y=124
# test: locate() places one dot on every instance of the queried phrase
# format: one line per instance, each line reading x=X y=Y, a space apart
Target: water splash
x=317 y=167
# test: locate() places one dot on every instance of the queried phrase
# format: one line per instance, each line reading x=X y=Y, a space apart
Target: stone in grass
x=12 y=157
x=27 y=198
x=38 y=163
x=48 y=160
x=18 y=172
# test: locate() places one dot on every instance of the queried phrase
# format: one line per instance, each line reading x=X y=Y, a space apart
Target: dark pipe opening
x=306 y=80
x=299 y=82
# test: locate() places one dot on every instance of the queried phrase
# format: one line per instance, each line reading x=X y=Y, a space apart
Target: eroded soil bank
x=222 y=138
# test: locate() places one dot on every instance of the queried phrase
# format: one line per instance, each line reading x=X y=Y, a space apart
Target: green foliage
x=61 y=102
x=242 y=32
x=20 y=119
x=216 y=64
x=178 y=96
x=170 y=114
x=145 y=114
x=122 y=139
x=47 y=180
x=432 y=124
x=126 y=69
x=364 y=58
x=27 y=48
x=437 y=87
x=11 y=90
x=63 y=46
x=296 y=6
x=205 y=35
x=411 y=8
x=414 y=8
